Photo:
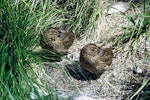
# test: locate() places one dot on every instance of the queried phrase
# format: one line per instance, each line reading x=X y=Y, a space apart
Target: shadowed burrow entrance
x=79 y=73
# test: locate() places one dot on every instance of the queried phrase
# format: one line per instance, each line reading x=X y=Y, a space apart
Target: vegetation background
x=23 y=21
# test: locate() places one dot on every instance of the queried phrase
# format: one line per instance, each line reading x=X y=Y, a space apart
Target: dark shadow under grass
x=79 y=73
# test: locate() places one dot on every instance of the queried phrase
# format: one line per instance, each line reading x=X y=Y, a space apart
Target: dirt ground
x=130 y=69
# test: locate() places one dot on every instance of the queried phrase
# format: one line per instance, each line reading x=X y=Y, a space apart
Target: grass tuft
x=140 y=23
x=15 y=53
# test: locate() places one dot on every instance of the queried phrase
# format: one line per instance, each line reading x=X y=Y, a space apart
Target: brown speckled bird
x=95 y=59
x=57 y=39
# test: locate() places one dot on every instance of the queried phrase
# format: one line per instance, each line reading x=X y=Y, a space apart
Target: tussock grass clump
x=13 y=50
x=21 y=25
x=17 y=79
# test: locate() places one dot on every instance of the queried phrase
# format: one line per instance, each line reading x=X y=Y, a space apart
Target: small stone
x=119 y=7
x=73 y=56
x=84 y=98
x=138 y=70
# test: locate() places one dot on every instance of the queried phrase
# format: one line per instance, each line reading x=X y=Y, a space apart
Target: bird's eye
x=60 y=34
x=100 y=52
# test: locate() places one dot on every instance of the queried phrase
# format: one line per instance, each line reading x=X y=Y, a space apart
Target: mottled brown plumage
x=57 y=39
x=95 y=59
